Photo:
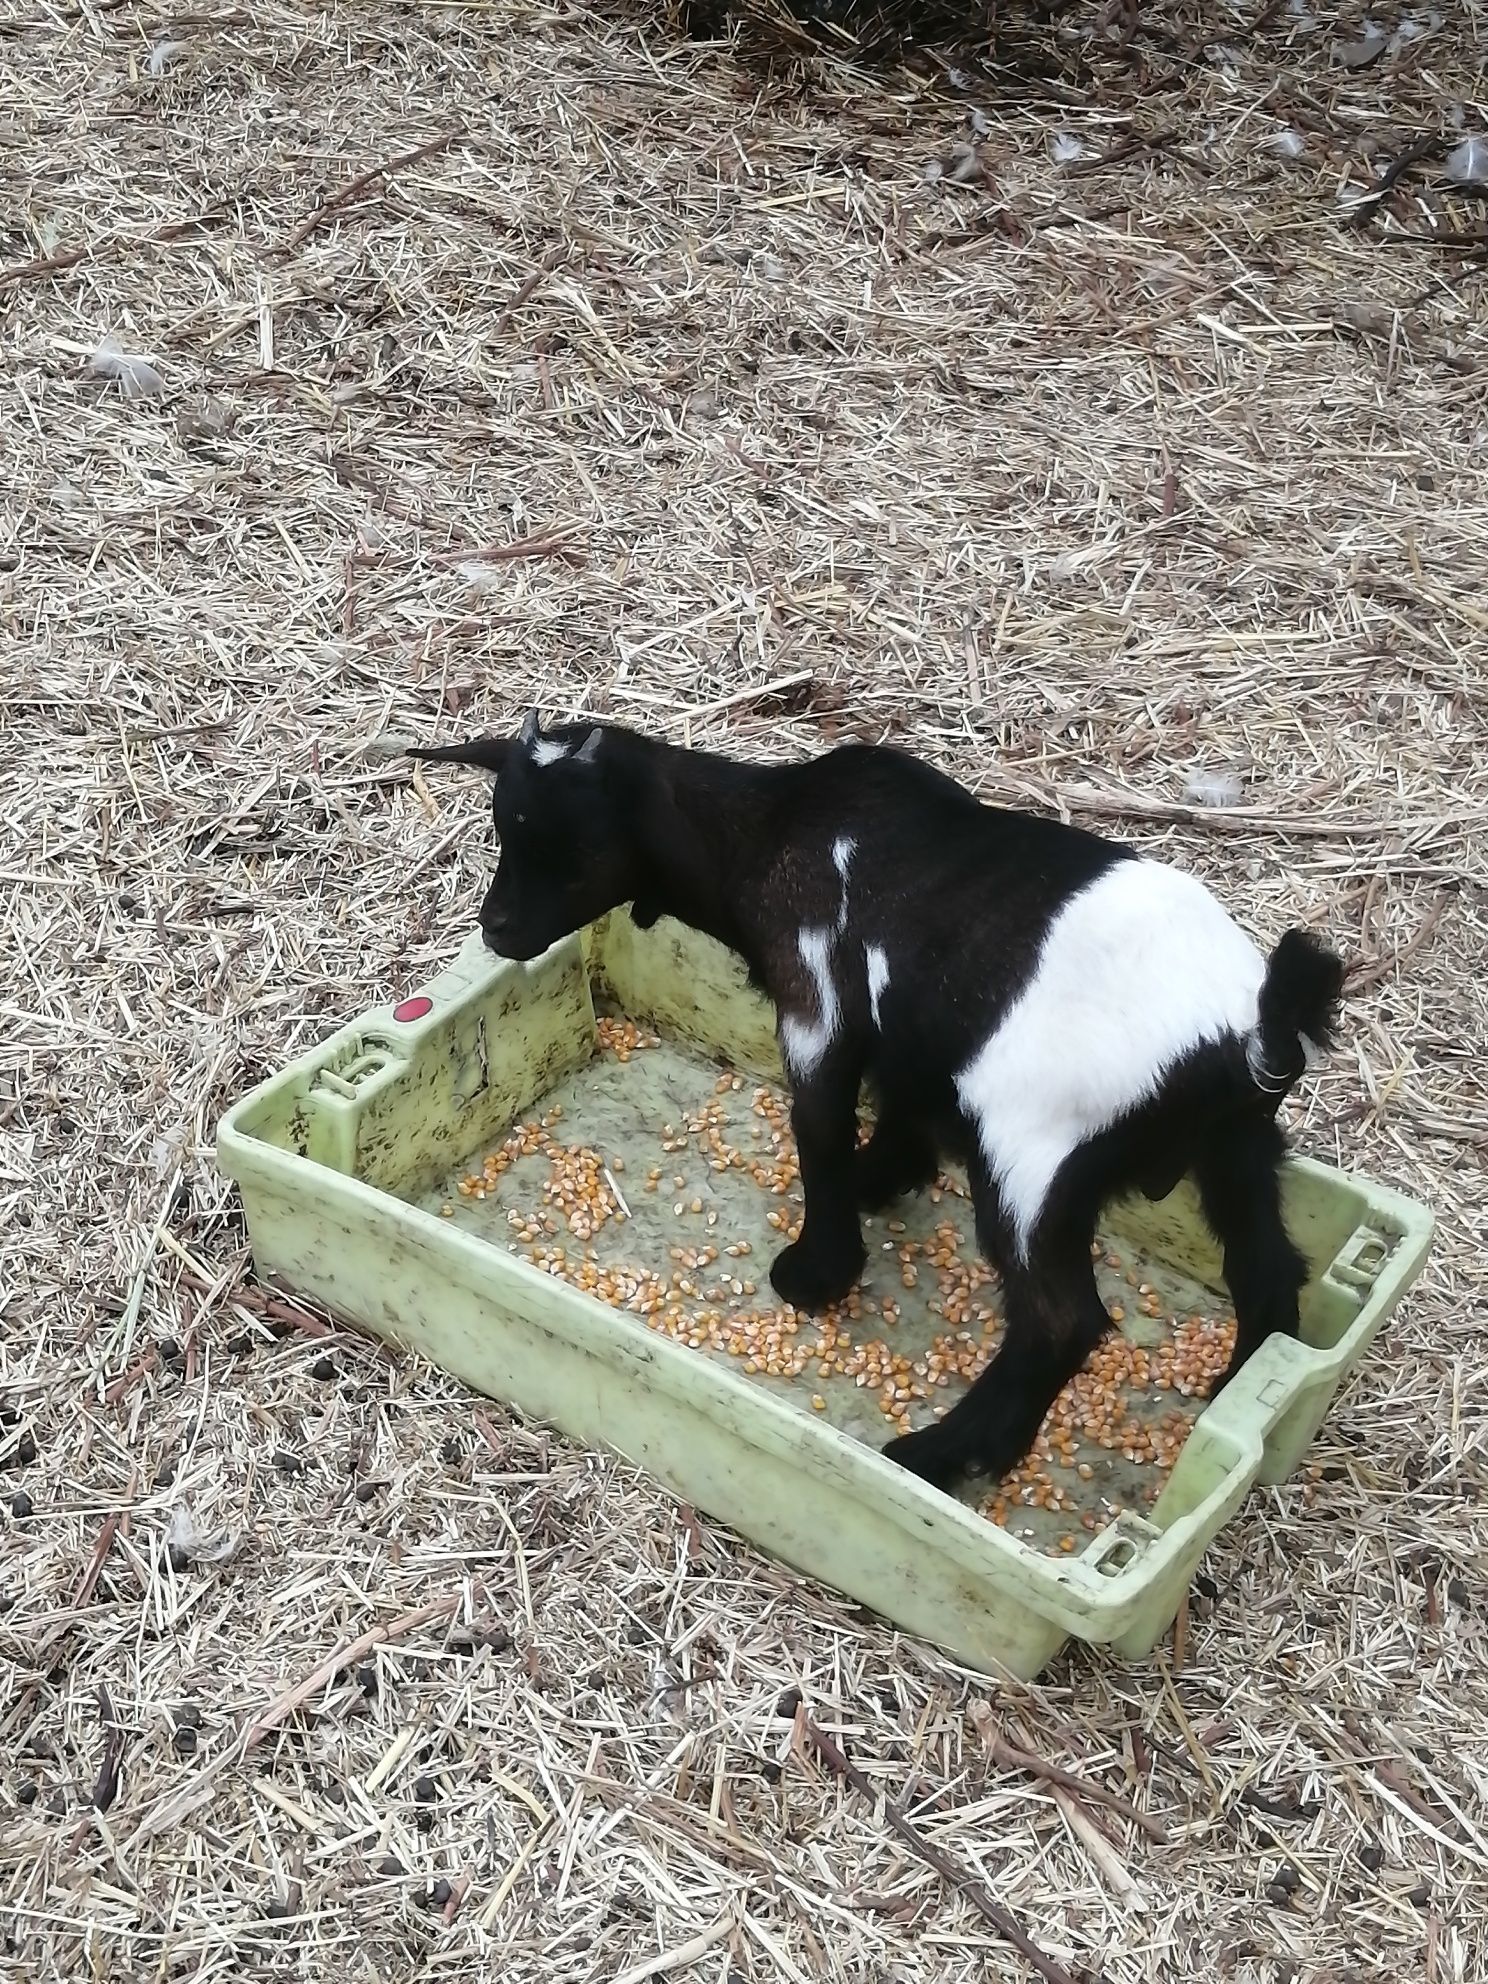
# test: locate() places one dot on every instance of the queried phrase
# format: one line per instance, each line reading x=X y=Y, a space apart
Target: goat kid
x=1071 y=1021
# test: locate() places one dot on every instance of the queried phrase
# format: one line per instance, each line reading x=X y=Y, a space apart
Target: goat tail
x=1297 y=1012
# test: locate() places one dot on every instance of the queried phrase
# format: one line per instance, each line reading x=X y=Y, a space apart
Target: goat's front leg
x=823 y=1264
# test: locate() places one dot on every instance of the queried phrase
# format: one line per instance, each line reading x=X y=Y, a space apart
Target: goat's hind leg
x=900 y=1157
x=1055 y=1318
x=1240 y=1188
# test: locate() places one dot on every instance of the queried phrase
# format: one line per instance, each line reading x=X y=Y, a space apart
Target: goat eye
x=521 y=819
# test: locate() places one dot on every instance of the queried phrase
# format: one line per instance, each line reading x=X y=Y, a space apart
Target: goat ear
x=530 y=735
x=588 y=750
x=487 y=754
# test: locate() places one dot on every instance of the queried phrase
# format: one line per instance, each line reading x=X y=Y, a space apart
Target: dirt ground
x=1081 y=422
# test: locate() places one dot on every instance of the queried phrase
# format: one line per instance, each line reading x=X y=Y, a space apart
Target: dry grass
x=648 y=385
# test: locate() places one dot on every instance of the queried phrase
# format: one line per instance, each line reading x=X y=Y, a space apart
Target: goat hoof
x=806 y=1280
x=883 y=1176
x=926 y=1455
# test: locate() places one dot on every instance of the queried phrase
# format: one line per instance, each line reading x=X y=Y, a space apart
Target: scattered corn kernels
x=1113 y=1408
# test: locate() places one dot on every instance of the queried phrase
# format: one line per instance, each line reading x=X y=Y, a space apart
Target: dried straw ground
x=644 y=387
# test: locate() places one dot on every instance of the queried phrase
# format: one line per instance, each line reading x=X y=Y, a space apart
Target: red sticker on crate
x=413 y=1009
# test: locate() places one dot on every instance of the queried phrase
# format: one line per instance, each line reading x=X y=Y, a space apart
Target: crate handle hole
x=1121 y=1553
x=1359 y=1265
x=355 y=1069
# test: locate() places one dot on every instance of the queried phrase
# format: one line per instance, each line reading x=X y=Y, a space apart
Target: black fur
x=962 y=895
x=1299 y=1001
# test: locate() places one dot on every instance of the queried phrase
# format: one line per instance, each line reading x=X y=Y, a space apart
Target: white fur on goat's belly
x=1135 y=971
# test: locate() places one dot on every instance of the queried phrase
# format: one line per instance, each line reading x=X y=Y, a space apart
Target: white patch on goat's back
x=547 y=751
x=843 y=849
x=805 y=1041
x=878 y=978
x=1135 y=971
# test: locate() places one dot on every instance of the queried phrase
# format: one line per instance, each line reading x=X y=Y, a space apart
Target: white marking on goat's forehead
x=878 y=977
x=547 y=750
x=1137 y=970
x=804 y=1041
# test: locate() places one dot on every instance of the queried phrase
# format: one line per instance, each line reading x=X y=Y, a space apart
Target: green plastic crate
x=339 y=1160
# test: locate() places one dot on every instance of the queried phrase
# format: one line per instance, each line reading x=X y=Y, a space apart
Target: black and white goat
x=1070 y=1020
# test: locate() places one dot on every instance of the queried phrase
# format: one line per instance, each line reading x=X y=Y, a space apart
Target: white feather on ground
x=1467 y=163
x=1216 y=788
x=136 y=377
x=162 y=55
